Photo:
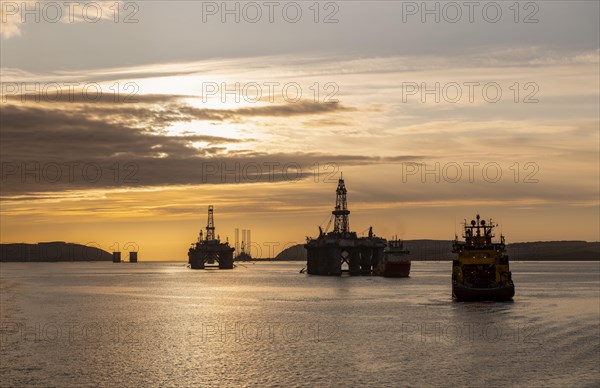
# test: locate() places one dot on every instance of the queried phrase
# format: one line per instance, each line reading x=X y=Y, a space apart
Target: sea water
x=266 y=324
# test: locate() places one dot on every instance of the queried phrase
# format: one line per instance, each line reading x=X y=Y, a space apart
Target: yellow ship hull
x=499 y=294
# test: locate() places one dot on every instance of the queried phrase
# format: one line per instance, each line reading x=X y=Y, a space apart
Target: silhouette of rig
x=210 y=251
x=246 y=245
x=327 y=253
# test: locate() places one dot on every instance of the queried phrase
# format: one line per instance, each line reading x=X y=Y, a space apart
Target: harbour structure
x=327 y=253
x=209 y=250
x=133 y=257
x=481 y=270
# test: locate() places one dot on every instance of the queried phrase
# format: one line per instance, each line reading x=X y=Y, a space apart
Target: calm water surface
x=161 y=324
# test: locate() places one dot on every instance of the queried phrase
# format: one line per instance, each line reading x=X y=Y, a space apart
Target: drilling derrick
x=210 y=227
x=341 y=223
x=327 y=253
x=210 y=250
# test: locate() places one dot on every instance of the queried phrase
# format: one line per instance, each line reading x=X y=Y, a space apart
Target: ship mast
x=473 y=233
x=341 y=224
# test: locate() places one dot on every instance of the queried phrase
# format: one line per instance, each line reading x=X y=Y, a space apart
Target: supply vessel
x=395 y=262
x=481 y=271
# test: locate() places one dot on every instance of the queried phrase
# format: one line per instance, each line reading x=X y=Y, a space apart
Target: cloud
x=39 y=144
x=293 y=109
x=161 y=110
x=175 y=139
x=15 y=14
x=9 y=23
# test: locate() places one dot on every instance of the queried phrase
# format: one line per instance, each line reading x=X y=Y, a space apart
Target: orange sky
x=427 y=131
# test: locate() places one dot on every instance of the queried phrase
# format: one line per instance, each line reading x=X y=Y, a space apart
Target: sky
x=122 y=121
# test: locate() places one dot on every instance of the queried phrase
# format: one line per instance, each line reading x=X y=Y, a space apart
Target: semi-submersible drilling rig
x=208 y=250
x=327 y=253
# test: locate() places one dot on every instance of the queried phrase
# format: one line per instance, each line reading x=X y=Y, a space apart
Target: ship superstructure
x=208 y=250
x=481 y=271
x=396 y=261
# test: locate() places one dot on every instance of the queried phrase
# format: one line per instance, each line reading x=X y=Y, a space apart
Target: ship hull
x=499 y=294
x=395 y=270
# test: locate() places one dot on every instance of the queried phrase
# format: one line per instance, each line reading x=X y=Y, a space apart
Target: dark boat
x=395 y=262
x=481 y=271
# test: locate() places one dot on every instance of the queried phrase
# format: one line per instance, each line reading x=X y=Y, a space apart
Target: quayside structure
x=210 y=251
x=327 y=253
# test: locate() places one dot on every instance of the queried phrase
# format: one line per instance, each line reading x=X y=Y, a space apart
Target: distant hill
x=442 y=250
x=429 y=249
x=51 y=252
x=293 y=253
x=555 y=250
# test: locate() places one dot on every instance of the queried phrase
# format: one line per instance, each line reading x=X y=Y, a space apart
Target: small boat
x=395 y=262
x=481 y=271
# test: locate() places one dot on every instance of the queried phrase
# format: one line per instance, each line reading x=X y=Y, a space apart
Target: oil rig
x=210 y=250
x=244 y=249
x=327 y=253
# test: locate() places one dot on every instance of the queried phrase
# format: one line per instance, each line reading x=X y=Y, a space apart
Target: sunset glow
x=419 y=136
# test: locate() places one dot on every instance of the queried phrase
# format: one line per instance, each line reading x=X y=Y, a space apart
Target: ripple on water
x=262 y=325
